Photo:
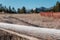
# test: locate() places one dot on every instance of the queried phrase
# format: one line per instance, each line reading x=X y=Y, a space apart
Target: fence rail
x=30 y=32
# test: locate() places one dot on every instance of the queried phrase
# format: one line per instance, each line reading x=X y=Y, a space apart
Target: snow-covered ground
x=44 y=33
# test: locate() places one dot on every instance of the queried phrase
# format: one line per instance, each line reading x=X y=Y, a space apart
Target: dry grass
x=36 y=19
x=7 y=36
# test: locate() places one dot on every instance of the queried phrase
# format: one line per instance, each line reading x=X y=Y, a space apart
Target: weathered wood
x=41 y=33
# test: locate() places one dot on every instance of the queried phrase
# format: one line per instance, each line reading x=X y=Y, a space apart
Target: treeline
x=7 y=10
x=11 y=9
x=55 y=8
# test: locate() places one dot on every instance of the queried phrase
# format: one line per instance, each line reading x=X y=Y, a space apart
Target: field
x=35 y=20
x=31 y=20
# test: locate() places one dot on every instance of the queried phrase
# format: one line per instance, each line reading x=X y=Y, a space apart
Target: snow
x=32 y=31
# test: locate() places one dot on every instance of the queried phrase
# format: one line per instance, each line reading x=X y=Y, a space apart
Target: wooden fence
x=30 y=32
